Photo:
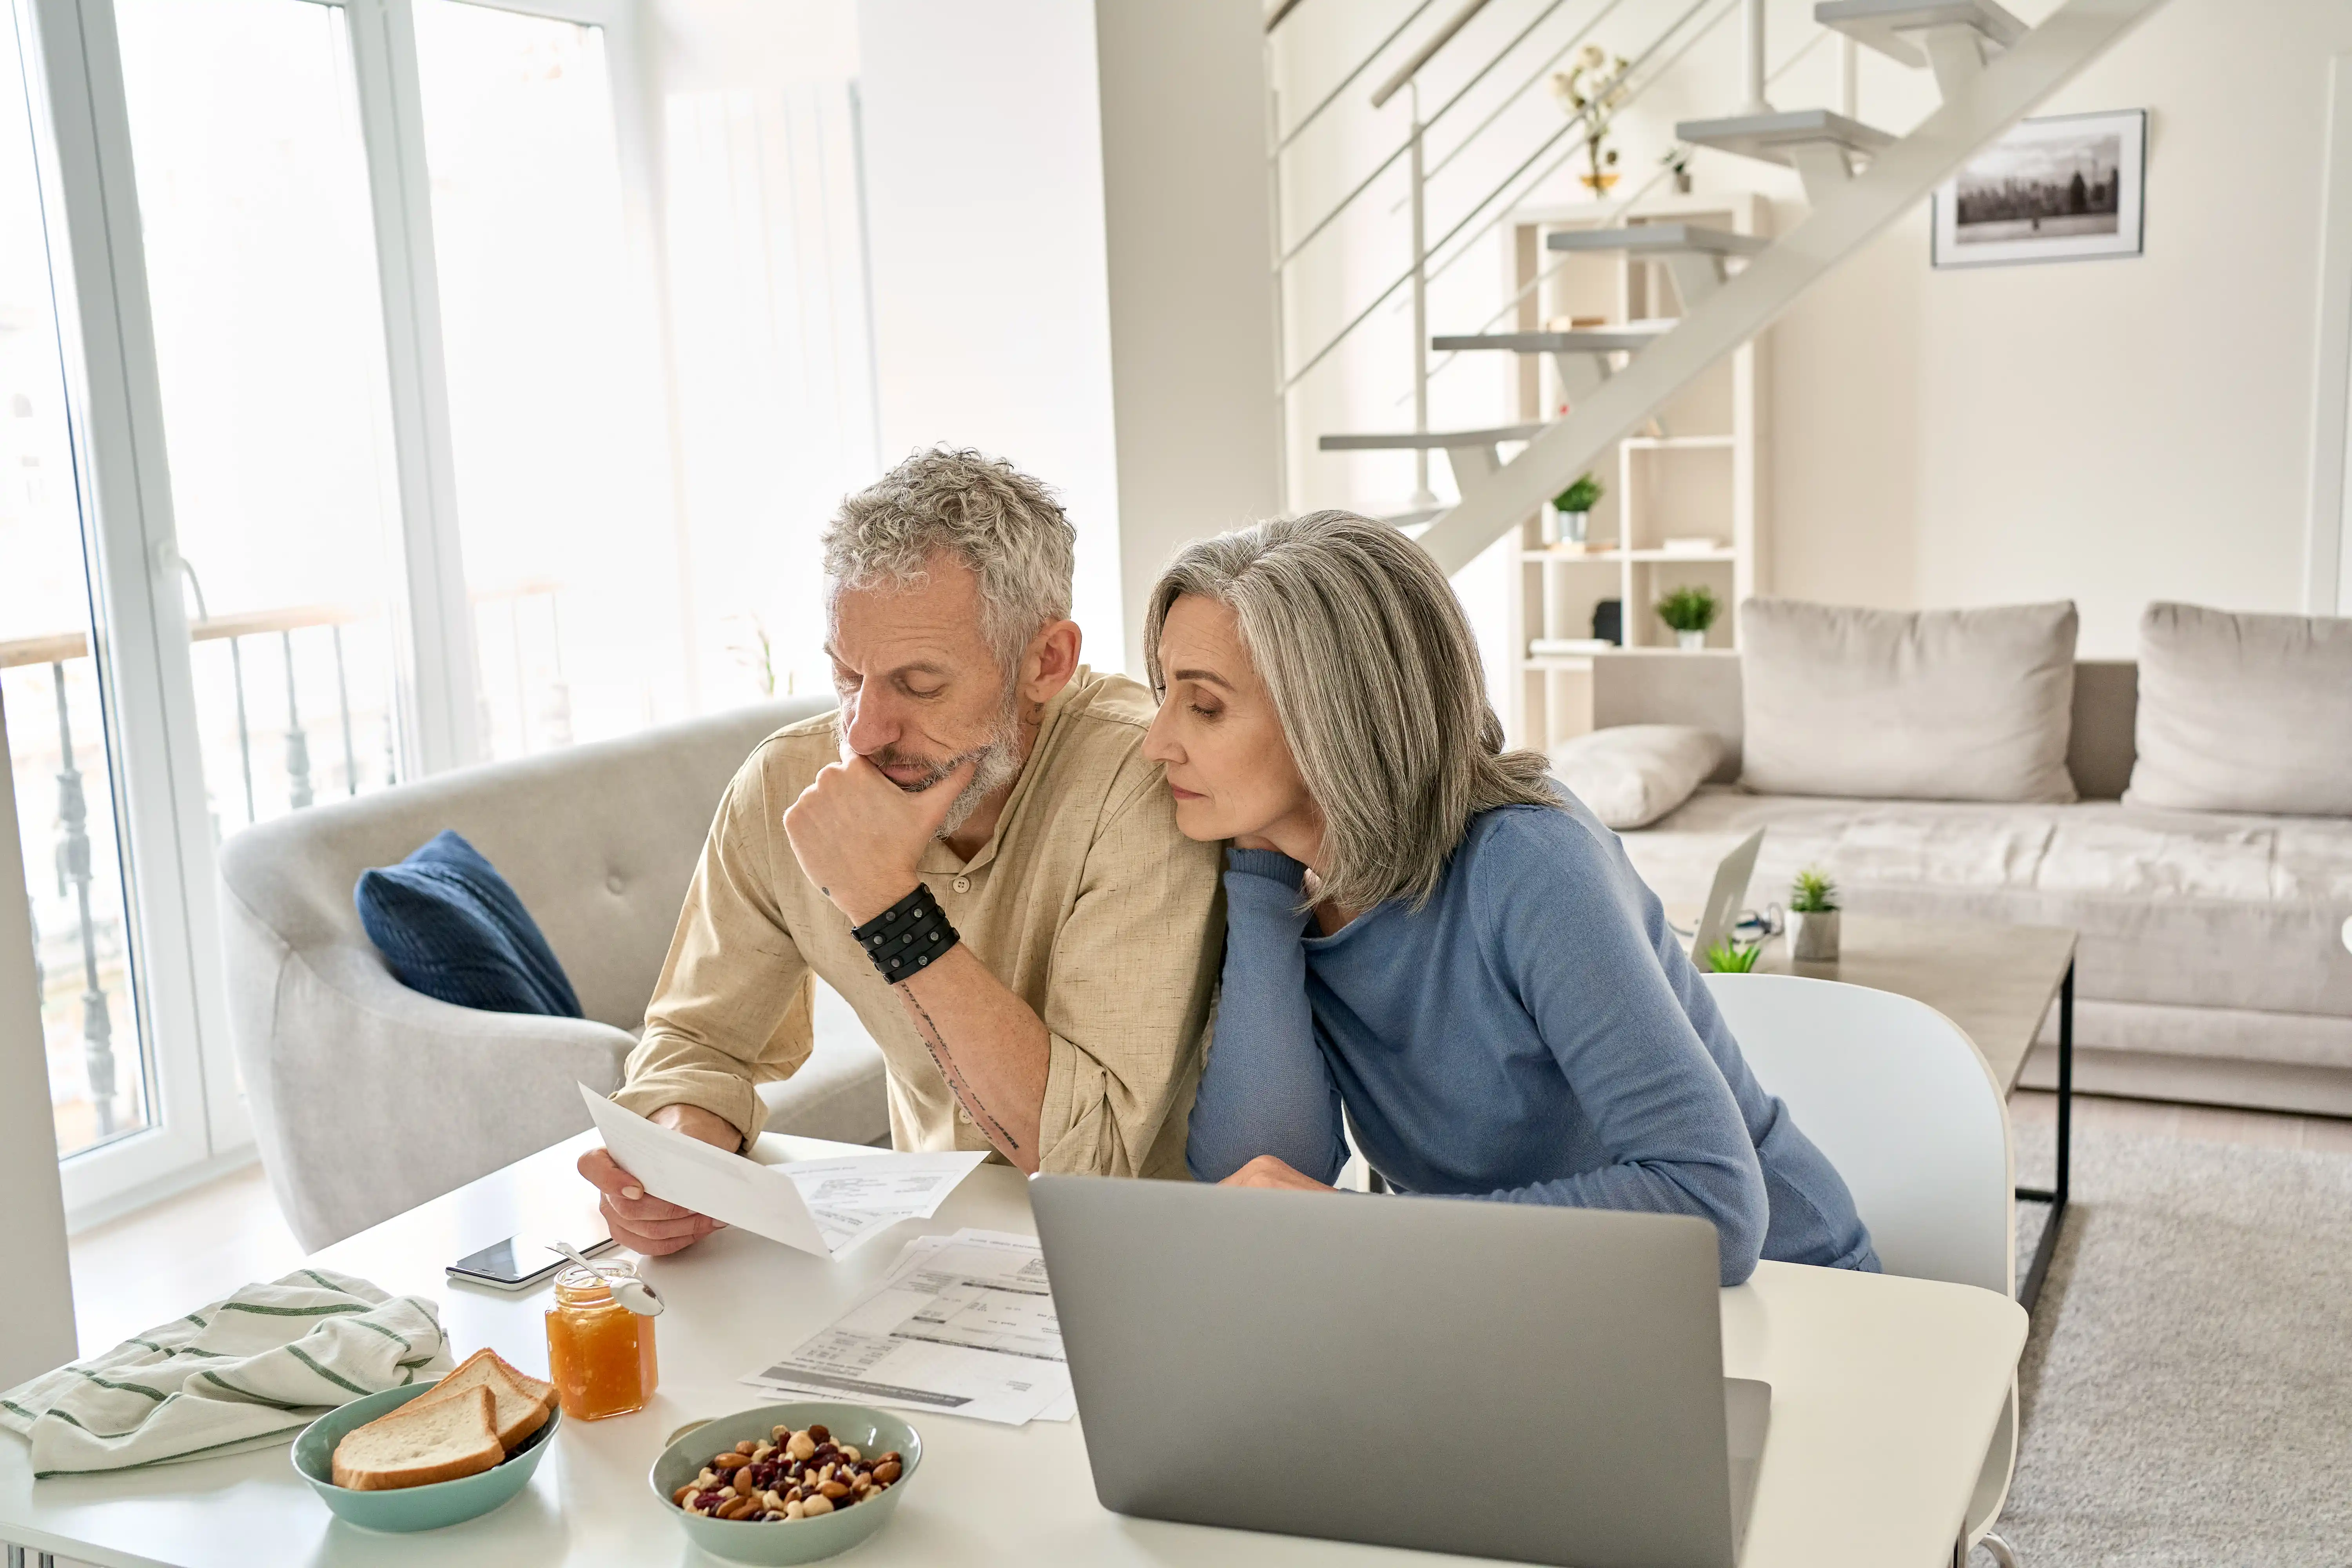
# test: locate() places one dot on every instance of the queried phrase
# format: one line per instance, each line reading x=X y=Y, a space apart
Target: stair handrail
x=1285 y=138
x=1408 y=76
x=1429 y=48
x=1625 y=204
x=1282 y=8
x=1573 y=122
x=1422 y=127
x=1533 y=77
x=1286 y=255
x=1544 y=174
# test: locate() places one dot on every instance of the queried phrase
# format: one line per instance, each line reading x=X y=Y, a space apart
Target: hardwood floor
x=145 y=1267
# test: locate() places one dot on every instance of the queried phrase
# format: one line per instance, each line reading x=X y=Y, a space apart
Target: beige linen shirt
x=1085 y=901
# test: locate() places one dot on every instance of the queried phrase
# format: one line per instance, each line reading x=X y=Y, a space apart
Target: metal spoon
x=634 y=1294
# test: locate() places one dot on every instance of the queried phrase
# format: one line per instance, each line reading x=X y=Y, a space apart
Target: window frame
x=114 y=407
x=80 y=127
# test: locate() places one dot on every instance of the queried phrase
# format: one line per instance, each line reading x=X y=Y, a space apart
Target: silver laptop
x=1723 y=900
x=1502 y=1379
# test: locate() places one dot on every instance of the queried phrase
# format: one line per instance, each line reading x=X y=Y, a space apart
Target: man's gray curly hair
x=1003 y=524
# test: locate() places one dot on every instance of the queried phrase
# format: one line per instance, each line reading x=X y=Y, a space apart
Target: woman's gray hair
x=1377 y=681
x=1003 y=524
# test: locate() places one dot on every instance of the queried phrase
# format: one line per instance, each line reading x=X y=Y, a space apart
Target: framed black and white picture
x=2065 y=188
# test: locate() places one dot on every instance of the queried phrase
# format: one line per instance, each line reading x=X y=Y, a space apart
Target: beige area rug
x=2187 y=1386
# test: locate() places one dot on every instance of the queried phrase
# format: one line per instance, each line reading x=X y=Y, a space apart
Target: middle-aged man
x=973 y=850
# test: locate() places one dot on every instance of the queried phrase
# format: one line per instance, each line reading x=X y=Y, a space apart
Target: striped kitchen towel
x=256 y=1368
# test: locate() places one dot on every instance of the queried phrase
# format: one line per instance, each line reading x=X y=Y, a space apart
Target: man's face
x=921 y=691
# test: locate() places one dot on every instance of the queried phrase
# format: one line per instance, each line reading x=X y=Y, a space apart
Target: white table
x=1996 y=982
x=1884 y=1396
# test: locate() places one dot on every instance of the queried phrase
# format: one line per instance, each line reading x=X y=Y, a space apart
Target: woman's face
x=1229 y=765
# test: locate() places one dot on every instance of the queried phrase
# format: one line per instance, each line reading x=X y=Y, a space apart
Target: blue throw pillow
x=450 y=927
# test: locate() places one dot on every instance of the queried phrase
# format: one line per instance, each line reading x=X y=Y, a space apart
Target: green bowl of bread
x=431 y=1454
x=787 y=1483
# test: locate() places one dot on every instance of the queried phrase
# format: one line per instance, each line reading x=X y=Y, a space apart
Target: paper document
x=825 y=1206
x=962 y=1324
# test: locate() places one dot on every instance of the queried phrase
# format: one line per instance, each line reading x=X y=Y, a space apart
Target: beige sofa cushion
x=1908 y=705
x=1632 y=775
x=2177 y=907
x=2243 y=713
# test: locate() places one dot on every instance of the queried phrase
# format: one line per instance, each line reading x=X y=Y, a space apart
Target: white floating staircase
x=1694 y=254
x=1819 y=143
x=1583 y=357
x=1989 y=68
x=1953 y=39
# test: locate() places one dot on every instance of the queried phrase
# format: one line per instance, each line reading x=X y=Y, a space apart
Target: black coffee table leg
x=2055 y=1196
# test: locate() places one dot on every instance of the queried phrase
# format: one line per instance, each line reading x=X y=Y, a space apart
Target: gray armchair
x=369 y=1098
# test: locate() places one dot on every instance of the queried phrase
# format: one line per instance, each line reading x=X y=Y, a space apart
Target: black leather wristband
x=906 y=938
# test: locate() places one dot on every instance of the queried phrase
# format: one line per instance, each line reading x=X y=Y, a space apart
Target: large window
x=260 y=252
x=368 y=407
x=52 y=696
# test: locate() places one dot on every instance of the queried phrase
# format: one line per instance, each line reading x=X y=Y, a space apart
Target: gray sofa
x=2212 y=968
x=369 y=1098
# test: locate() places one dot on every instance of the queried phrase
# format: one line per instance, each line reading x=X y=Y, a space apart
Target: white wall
x=768 y=341
x=1117 y=348
x=1192 y=309
x=2108 y=431
x=992 y=290
x=36 y=1321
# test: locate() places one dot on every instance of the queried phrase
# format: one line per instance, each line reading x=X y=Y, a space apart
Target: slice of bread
x=522 y=1402
x=420 y=1443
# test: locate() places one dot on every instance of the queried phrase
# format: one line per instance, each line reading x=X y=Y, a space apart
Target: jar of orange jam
x=599 y=1353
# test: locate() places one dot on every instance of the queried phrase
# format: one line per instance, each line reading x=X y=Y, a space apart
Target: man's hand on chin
x=639 y=1221
x=858 y=836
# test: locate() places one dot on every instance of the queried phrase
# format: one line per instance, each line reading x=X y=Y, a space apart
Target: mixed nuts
x=792 y=1475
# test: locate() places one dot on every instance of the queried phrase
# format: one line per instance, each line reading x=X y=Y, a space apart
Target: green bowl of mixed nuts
x=788 y=1483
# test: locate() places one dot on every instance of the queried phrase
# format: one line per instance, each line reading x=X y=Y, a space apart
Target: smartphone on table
x=522 y=1262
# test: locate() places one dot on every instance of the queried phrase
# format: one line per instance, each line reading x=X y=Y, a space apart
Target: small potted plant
x=1730 y=957
x=1677 y=162
x=1813 y=918
x=1689 y=610
x=1570 y=512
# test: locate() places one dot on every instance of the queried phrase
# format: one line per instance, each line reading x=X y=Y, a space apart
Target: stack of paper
x=825 y=1206
x=961 y=1324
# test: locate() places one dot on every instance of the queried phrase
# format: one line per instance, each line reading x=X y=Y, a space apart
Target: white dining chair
x=1899 y=1099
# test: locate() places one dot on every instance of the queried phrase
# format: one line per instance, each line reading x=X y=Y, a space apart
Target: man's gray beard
x=994 y=765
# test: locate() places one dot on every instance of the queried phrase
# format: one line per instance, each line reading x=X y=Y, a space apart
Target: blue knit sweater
x=1532 y=1034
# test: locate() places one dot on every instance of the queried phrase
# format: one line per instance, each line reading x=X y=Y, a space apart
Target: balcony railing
x=86 y=904
x=280 y=730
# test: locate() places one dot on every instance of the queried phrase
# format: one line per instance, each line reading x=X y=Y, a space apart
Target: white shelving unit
x=1698 y=475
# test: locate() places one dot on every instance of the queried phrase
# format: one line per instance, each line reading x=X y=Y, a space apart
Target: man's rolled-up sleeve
x=1135 y=967
x=733 y=1006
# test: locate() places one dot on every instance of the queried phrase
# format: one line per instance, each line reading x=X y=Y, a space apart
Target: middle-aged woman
x=1425 y=929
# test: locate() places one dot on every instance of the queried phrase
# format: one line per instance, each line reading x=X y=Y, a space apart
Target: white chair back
x=1899 y=1099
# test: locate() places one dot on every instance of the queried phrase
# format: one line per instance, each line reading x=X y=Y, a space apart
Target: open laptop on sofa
x=1720 y=918
x=1544 y=1384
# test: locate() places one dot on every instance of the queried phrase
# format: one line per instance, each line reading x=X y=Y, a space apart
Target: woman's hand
x=1265 y=1171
